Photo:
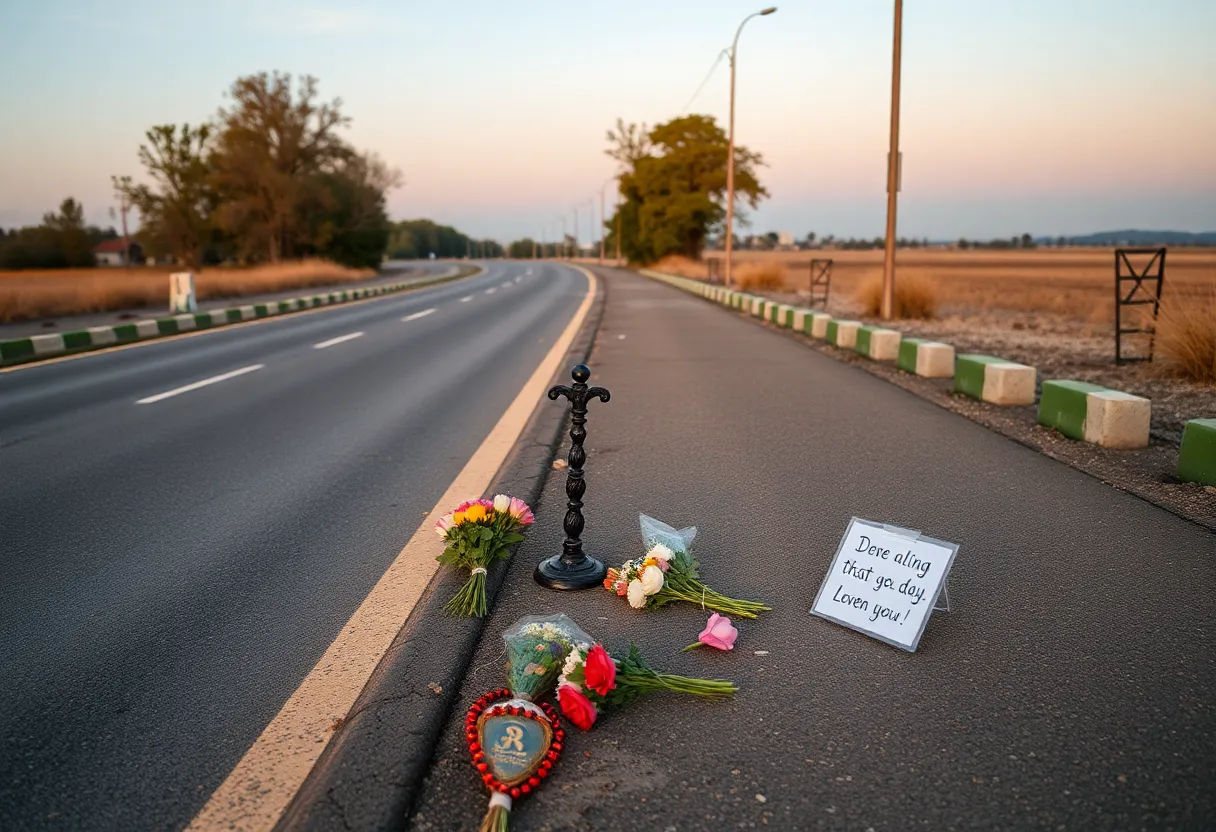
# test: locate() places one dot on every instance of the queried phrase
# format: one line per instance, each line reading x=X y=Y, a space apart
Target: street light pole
x=574 y=247
x=730 y=146
x=887 y=309
x=603 y=219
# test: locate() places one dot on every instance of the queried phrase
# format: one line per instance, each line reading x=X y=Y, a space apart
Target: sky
x=1041 y=116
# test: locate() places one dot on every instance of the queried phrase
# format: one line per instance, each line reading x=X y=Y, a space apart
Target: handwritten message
x=884 y=582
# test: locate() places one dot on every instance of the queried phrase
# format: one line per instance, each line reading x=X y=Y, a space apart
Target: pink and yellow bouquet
x=477 y=533
x=591 y=680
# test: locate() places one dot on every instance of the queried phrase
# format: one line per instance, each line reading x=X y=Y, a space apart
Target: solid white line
x=256 y=792
x=337 y=340
x=418 y=315
x=204 y=383
x=491 y=290
x=466 y=298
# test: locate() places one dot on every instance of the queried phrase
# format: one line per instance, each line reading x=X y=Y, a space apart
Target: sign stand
x=878 y=579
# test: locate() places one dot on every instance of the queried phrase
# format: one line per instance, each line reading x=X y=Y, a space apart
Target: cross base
x=555 y=573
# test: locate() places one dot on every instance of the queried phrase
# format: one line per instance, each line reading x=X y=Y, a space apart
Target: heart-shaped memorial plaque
x=514 y=742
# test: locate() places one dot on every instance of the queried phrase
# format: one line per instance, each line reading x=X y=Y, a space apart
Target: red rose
x=599 y=670
x=578 y=709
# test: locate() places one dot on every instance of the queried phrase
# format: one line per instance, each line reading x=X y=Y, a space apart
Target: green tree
x=1027 y=241
x=274 y=145
x=345 y=218
x=68 y=234
x=523 y=249
x=673 y=184
x=176 y=211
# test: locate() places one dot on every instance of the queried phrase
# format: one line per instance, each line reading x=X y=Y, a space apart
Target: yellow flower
x=474 y=513
x=649 y=562
x=458 y=518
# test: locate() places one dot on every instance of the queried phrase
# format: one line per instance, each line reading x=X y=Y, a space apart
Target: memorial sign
x=885 y=581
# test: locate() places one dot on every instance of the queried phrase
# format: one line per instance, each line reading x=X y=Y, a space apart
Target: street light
x=730 y=150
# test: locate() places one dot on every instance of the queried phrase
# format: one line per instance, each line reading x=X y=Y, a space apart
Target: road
x=187 y=524
x=1073 y=685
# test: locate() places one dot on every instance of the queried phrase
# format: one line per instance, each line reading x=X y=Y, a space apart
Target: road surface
x=1073 y=686
x=186 y=525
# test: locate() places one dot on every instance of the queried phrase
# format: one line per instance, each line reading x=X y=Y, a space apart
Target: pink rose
x=719 y=633
x=599 y=670
x=443 y=524
x=578 y=709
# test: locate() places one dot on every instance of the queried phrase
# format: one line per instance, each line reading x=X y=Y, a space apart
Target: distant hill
x=1137 y=237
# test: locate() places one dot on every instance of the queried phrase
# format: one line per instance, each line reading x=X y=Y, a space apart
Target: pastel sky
x=1040 y=116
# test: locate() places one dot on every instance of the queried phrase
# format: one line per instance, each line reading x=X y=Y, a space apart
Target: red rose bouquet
x=592 y=679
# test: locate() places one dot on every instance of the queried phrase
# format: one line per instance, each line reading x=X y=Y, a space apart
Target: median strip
x=18 y=351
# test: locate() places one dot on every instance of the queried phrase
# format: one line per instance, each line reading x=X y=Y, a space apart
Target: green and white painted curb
x=994 y=380
x=812 y=322
x=1197 y=456
x=877 y=343
x=842 y=334
x=931 y=359
x=1091 y=413
x=37 y=347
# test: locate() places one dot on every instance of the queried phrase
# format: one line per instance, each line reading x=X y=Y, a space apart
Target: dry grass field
x=1078 y=283
x=30 y=295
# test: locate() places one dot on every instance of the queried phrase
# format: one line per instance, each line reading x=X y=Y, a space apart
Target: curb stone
x=877 y=343
x=370 y=773
x=36 y=347
x=994 y=380
x=1197 y=456
x=1096 y=414
x=930 y=359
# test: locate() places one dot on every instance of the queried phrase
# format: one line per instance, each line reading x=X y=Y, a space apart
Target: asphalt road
x=1072 y=686
x=172 y=569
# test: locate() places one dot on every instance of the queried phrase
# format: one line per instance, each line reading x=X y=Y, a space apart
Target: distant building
x=110 y=252
x=785 y=239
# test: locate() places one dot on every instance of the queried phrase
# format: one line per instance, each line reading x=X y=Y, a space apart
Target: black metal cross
x=573 y=569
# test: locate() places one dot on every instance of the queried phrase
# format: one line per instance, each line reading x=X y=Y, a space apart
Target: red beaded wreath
x=479 y=756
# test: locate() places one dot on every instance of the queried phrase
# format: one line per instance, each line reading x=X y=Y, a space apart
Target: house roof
x=114 y=246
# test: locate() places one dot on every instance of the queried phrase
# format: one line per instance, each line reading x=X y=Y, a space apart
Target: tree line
x=412 y=239
x=62 y=241
x=268 y=178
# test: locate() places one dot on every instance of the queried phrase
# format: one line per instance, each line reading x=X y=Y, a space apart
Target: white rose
x=636 y=595
x=501 y=503
x=660 y=552
x=651 y=579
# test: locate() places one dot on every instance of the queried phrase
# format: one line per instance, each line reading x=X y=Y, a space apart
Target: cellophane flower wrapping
x=655 y=532
x=537 y=646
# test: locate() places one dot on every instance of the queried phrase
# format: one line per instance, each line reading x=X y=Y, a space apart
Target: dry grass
x=915 y=297
x=1078 y=283
x=761 y=276
x=683 y=266
x=30 y=295
x=1186 y=337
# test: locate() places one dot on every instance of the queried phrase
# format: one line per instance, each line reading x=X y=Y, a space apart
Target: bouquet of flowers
x=477 y=532
x=669 y=573
x=514 y=742
x=591 y=679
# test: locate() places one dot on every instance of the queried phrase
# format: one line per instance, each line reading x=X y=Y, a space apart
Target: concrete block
x=1007 y=383
x=816 y=324
x=842 y=334
x=185 y=322
x=877 y=343
x=47 y=344
x=219 y=317
x=785 y=314
x=101 y=335
x=147 y=329
x=248 y=313
x=1197 y=455
x=931 y=359
x=1118 y=420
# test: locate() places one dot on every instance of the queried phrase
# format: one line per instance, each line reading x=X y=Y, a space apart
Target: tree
x=810 y=238
x=70 y=237
x=1027 y=241
x=673 y=184
x=274 y=144
x=345 y=219
x=176 y=212
x=963 y=244
x=522 y=249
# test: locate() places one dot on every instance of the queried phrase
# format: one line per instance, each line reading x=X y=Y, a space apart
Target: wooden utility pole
x=893 y=175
